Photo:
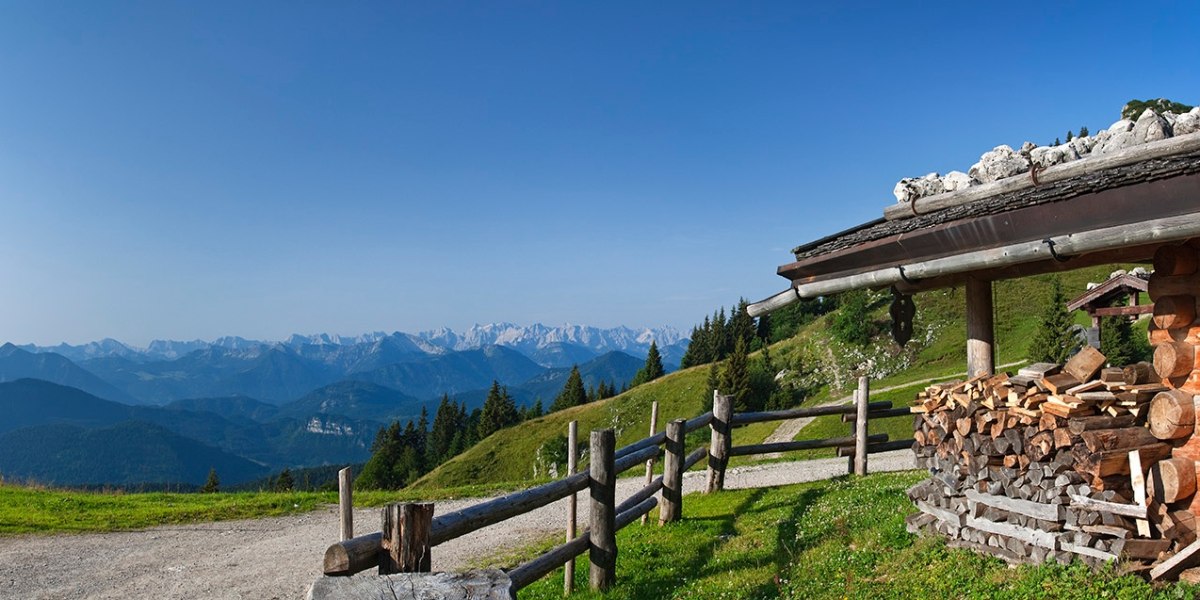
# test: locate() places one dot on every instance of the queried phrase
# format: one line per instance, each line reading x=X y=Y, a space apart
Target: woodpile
x=1071 y=462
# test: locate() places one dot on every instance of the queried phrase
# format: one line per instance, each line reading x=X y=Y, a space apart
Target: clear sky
x=196 y=169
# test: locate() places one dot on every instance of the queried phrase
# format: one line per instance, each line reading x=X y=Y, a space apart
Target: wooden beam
x=1124 y=311
x=980 y=329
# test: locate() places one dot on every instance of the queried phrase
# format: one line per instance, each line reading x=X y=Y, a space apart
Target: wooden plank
x=943 y=514
x=860 y=427
x=1085 y=363
x=1039 y=370
x=1144 y=549
x=1059 y=383
x=1037 y=510
x=1138 y=481
x=1101 y=506
x=1036 y=537
x=1086 y=551
x=603 y=531
x=1187 y=557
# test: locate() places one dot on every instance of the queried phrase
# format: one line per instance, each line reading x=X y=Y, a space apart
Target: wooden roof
x=1096 y=210
x=1121 y=284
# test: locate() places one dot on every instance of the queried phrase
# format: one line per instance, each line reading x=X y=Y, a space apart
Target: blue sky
x=191 y=170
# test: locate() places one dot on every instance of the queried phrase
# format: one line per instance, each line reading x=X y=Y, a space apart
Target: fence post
x=345 y=504
x=860 y=427
x=853 y=431
x=603 y=534
x=718 y=450
x=572 y=465
x=650 y=461
x=405 y=541
x=672 y=492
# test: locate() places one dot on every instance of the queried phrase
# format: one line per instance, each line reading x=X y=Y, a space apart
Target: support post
x=672 y=493
x=572 y=503
x=718 y=449
x=345 y=504
x=860 y=427
x=603 y=531
x=405 y=541
x=980 y=331
x=650 y=462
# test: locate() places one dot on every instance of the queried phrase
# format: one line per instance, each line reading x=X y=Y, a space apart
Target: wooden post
x=572 y=465
x=346 y=504
x=405 y=541
x=650 y=463
x=603 y=532
x=853 y=430
x=980 y=332
x=672 y=493
x=860 y=427
x=718 y=449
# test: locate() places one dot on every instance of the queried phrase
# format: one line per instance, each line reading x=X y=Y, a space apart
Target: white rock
x=999 y=163
x=1151 y=127
x=957 y=180
x=905 y=191
x=1140 y=272
x=1120 y=126
x=1046 y=156
x=1188 y=122
x=1082 y=145
x=1117 y=273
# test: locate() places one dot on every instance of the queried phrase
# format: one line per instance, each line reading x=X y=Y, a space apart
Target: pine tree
x=537 y=410
x=1117 y=341
x=284 y=483
x=652 y=369
x=735 y=378
x=498 y=412
x=1070 y=136
x=741 y=324
x=445 y=425
x=213 y=484
x=1055 y=340
x=572 y=393
x=691 y=356
x=718 y=341
x=1083 y=132
x=1057 y=142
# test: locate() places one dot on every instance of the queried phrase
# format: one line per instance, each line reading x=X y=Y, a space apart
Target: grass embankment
x=43 y=510
x=510 y=454
x=833 y=539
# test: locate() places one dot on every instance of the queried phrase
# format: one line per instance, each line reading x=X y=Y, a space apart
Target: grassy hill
x=827 y=369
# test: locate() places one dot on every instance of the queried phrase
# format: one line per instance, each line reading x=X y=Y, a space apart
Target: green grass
x=41 y=510
x=836 y=539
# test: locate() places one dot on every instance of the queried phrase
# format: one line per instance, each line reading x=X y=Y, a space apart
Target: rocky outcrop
x=1002 y=161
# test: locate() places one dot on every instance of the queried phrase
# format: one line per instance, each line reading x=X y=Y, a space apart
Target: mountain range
x=88 y=414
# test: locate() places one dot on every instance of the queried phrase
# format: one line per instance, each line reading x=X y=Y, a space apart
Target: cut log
x=1079 y=425
x=1138 y=373
x=1161 y=286
x=1179 y=259
x=1172 y=415
x=1172 y=480
x=1116 y=439
x=1174 y=359
x=1174 y=312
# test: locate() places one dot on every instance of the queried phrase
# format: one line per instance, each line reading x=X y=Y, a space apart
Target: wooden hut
x=1007 y=477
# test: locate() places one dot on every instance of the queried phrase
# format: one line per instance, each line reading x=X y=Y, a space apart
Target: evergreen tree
x=284 y=483
x=537 y=410
x=1070 y=136
x=498 y=412
x=718 y=340
x=713 y=382
x=690 y=356
x=213 y=484
x=378 y=473
x=735 y=378
x=851 y=324
x=1118 y=343
x=1083 y=132
x=572 y=393
x=652 y=369
x=1057 y=142
x=446 y=423
x=741 y=324
x=423 y=433
x=1055 y=340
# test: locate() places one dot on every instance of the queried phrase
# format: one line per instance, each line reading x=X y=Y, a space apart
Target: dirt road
x=280 y=557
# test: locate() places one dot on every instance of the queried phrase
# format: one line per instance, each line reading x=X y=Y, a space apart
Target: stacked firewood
x=1059 y=463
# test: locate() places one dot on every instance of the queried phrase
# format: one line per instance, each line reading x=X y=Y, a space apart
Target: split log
x=1079 y=425
x=1115 y=439
x=1172 y=415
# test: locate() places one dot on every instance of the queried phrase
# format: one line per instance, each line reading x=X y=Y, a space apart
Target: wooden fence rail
x=411 y=530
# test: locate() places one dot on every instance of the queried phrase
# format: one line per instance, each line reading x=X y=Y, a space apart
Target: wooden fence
x=410 y=531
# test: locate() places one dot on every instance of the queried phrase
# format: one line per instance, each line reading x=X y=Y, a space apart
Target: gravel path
x=280 y=557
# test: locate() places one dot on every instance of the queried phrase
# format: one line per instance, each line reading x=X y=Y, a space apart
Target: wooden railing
x=410 y=531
